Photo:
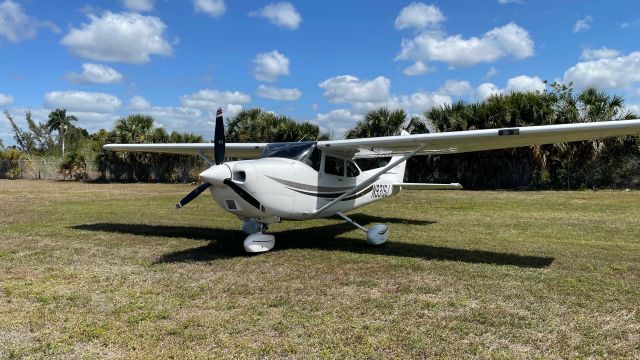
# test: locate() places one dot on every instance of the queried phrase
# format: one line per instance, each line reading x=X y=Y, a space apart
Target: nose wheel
x=257 y=241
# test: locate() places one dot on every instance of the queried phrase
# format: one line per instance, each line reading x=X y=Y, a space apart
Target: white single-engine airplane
x=316 y=179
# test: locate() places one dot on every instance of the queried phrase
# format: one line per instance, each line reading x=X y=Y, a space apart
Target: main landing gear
x=257 y=241
x=377 y=234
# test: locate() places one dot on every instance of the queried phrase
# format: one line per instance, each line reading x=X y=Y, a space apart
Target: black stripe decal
x=322 y=195
x=308 y=187
x=363 y=193
x=243 y=194
x=335 y=195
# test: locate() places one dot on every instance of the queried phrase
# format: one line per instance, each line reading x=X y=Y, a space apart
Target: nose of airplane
x=216 y=174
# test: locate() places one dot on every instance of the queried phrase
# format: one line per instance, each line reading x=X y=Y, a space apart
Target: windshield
x=296 y=151
x=305 y=152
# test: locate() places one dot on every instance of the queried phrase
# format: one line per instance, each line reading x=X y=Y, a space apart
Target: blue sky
x=323 y=61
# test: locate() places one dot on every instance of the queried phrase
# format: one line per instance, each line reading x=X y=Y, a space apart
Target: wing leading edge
x=233 y=150
x=478 y=140
x=435 y=143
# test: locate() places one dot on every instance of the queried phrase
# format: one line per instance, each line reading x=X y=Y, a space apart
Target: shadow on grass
x=225 y=243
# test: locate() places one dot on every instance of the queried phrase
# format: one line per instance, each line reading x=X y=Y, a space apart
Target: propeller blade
x=218 y=138
x=192 y=195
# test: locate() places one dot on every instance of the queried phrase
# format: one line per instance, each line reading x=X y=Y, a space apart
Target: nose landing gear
x=256 y=241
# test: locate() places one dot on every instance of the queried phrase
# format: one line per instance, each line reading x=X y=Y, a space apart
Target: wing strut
x=367 y=182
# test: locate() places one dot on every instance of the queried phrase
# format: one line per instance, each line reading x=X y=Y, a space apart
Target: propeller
x=218 y=139
x=192 y=195
x=218 y=151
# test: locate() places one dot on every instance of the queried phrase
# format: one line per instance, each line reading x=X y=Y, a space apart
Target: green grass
x=113 y=271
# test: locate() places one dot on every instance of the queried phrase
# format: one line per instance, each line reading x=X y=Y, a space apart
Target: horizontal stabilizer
x=419 y=186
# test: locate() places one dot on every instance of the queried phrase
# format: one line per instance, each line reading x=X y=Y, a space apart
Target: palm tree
x=256 y=125
x=133 y=129
x=418 y=125
x=59 y=121
x=379 y=122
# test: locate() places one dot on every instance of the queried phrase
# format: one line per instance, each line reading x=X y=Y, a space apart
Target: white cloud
x=418 y=68
x=212 y=8
x=95 y=74
x=274 y=93
x=94 y=102
x=415 y=103
x=16 y=25
x=138 y=103
x=182 y=119
x=138 y=5
x=126 y=37
x=210 y=100
x=510 y=1
x=350 y=89
x=491 y=73
x=614 y=73
x=524 y=83
x=365 y=95
x=5 y=99
x=418 y=15
x=583 y=24
x=602 y=53
x=282 y=14
x=268 y=66
x=337 y=121
x=508 y=40
x=485 y=90
x=455 y=88
x=628 y=24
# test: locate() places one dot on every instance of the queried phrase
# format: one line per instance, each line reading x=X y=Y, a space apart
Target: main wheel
x=377 y=234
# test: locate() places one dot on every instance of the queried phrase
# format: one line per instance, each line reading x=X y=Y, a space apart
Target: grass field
x=113 y=271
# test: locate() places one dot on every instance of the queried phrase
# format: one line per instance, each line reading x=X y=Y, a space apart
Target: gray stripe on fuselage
x=308 y=187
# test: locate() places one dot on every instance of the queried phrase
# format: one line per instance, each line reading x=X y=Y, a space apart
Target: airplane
x=318 y=179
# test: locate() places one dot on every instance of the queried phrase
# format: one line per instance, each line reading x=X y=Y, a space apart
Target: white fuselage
x=274 y=189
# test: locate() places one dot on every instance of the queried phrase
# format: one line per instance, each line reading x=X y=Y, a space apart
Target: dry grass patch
x=113 y=271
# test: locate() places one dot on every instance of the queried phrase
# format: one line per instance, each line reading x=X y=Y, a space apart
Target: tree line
x=603 y=163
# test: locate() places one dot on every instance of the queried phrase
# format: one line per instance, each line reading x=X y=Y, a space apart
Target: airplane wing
x=232 y=150
x=477 y=140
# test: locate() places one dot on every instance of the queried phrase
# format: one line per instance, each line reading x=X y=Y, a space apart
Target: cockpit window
x=291 y=150
x=366 y=164
x=333 y=166
x=314 y=159
x=352 y=169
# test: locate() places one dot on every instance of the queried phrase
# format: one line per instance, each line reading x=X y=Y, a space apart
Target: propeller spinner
x=218 y=150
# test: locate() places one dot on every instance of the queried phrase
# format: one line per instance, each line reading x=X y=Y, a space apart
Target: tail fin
x=399 y=169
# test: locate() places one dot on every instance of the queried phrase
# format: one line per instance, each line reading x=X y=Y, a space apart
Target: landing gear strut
x=377 y=234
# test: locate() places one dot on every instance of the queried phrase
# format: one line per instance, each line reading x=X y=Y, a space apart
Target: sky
x=327 y=62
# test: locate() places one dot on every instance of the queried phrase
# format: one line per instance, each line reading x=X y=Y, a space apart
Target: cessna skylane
x=317 y=179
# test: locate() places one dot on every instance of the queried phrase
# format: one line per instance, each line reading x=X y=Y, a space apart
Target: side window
x=352 y=169
x=333 y=166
